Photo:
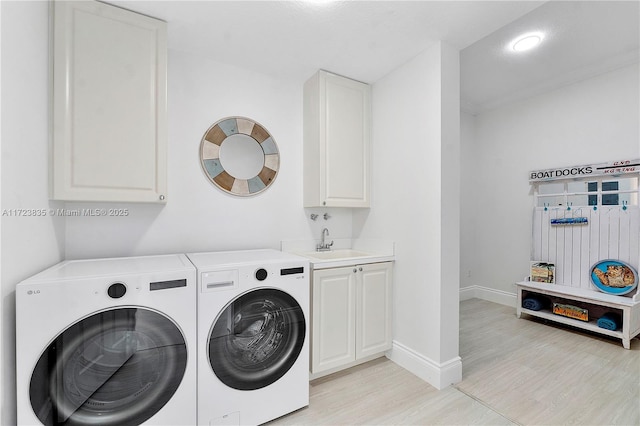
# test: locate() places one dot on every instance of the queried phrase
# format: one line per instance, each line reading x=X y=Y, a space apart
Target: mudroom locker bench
x=579 y=222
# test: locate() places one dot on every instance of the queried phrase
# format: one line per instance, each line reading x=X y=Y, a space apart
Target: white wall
x=198 y=216
x=596 y=120
x=450 y=208
x=29 y=244
x=414 y=110
x=1 y=309
x=468 y=198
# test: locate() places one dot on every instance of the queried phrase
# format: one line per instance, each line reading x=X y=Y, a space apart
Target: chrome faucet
x=322 y=246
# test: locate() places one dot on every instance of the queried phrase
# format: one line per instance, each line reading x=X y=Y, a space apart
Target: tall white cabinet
x=351 y=316
x=337 y=139
x=109 y=104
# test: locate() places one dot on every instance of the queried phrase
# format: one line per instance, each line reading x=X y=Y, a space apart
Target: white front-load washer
x=253 y=336
x=108 y=342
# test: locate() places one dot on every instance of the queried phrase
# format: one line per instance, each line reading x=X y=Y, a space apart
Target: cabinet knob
x=355 y=270
x=360 y=269
x=162 y=198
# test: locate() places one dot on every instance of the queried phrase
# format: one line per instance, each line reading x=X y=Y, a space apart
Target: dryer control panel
x=249 y=275
x=270 y=273
x=262 y=274
x=292 y=271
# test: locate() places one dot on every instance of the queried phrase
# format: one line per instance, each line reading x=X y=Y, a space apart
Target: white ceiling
x=582 y=39
x=365 y=40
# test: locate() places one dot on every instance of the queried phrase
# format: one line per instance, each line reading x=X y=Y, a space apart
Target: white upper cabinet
x=337 y=133
x=109 y=104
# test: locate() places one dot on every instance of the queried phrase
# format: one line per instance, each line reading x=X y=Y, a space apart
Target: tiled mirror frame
x=213 y=168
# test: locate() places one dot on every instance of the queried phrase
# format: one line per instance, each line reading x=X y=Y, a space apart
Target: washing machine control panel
x=116 y=290
x=286 y=272
x=298 y=270
x=261 y=274
x=266 y=273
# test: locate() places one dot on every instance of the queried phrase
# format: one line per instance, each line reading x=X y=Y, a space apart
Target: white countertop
x=357 y=252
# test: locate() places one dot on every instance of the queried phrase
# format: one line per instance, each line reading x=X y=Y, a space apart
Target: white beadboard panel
x=611 y=233
x=634 y=249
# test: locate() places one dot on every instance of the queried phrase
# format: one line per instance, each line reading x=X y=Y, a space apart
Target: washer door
x=119 y=366
x=256 y=339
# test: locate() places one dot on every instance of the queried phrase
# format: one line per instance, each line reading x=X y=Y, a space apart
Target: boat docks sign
x=593 y=170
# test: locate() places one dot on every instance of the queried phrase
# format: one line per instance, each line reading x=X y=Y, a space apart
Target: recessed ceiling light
x=526 y=42
x=320 y=2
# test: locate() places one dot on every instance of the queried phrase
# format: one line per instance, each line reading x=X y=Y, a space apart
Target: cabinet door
x=373 y=309
x=347 y=121
x=337 y=120
x=333 y=318
x=109 y=104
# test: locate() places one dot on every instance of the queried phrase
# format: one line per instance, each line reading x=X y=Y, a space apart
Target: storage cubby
x=595 y=302
x=595 y=311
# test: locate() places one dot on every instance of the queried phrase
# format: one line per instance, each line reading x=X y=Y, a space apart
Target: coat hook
x=314 y=216
x=326 y=216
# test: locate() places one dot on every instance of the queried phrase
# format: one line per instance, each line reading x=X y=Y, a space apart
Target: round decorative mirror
x=239 y=156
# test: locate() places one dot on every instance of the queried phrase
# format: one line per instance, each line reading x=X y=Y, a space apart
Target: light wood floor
x=515 y=371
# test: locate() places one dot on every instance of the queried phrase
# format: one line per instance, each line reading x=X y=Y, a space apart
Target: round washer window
x=119 y=366
x=256 y=339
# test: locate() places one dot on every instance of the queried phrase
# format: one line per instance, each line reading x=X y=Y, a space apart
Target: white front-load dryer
x=253 y=336
x=108 y=342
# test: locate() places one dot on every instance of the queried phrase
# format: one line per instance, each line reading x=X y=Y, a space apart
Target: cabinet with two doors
x=351 y=316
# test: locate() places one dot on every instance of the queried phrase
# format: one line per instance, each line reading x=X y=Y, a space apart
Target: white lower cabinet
x=351 y=316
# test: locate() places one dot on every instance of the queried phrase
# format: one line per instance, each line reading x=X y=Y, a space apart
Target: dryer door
x=119 y=366
x=256 y=339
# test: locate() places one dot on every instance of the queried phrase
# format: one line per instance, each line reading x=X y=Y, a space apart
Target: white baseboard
x=489 y=294
x=467 y=293
x=438 y=375
x=441 y=375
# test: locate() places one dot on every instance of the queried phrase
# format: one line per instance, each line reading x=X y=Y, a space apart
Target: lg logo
x=31 y=292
